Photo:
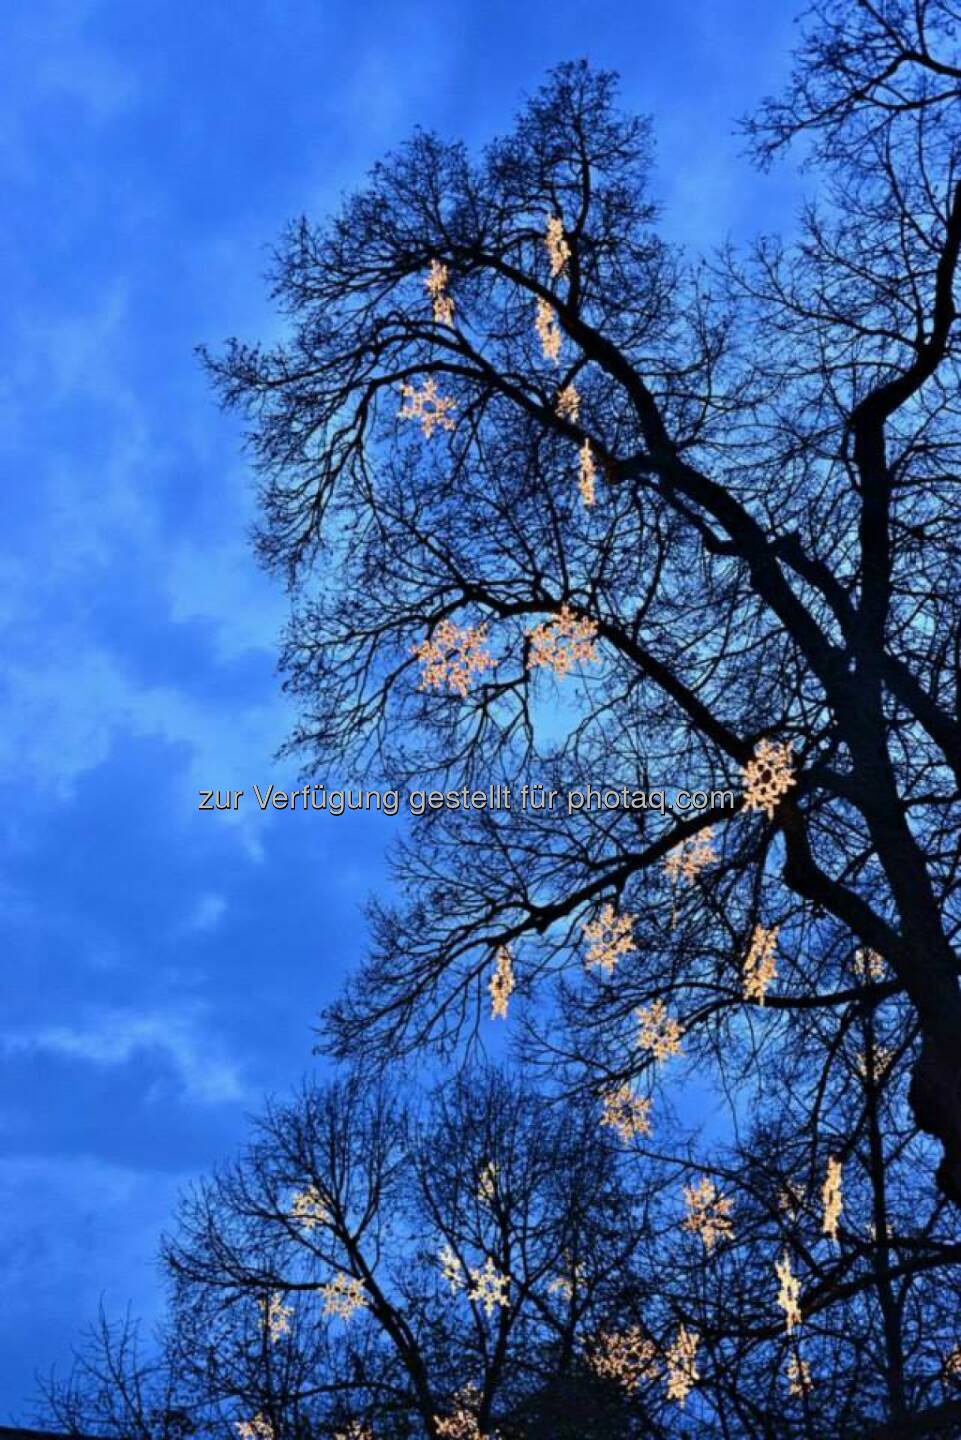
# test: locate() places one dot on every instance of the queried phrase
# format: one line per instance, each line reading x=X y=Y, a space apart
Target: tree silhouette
x=504 y=407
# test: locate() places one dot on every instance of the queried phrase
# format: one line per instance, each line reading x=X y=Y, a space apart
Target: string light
x=501 y=985
x=760 y=965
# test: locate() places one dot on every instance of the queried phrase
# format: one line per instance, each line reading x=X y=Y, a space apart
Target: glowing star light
x=788 y=1296
x=462 y=1423
x=428 y=406
x=832 y=1199
x=308 y=1209
x=627 y=1356
x=868 y=965
x=558 y=250
x=451 y=1269
x=610 y=936
x=568 y=405
x=548 y=332
x=436 y=286
x=659 y=1034
x=562 y=642
x=501 y=985
x=760 y=965
x=687 y=860
x=276 y=1315
x=682 y=1372
x=343 y=1296
x=487 y=1184
x=767 y=776
x=799 y=1380
x=452 y=656
x=587 y=473
x=489 y=1286
x=627 y=1113
x=708 y=1213
x=259 y=1428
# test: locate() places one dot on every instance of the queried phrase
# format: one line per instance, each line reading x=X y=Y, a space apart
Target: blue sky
x=162 y=969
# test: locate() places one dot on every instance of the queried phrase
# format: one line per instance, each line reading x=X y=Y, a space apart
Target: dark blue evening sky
x=162 y=969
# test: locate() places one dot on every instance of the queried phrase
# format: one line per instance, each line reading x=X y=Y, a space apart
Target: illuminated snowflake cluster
x=952 y=1366
x=487 y=1183
x=276 y=1315
x=687 y=860
x=708 y=1213
x=489 y=1286
x=760 y=965
x=682 y=1372
x=309 y=1209
x=501 y=985
x=558 y=250
x=883 y=1060
x=548 y=332
x=832 y=1198
x=610 y=936
x=660 y=1033
x=259 y=1428
x=343 y=1296
x=627 y=1113
x=428 y=406
x=799 y=1376
x=564 y=1284
x=436 y=285
x=789 y=1293
x=868 y=965
x=568 y=404
x=627 y=1356
x=563 y=641
x=462 y=1423
x=452 y=656
x=587 y=474
x=767 y=776
x=355 y=1431
x=451 y=1269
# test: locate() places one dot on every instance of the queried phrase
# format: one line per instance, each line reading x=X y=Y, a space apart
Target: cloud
x=113 y=1037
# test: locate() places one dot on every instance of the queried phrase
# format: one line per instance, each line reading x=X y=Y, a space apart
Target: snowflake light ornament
x=548 y=332
x=462 y=1423
x=259 y=1428
x=682 y=1372
x=276 y=1315
x=708 y=1213
x=627 y=1356
x=951 y=1369
x=558 y=250
x=832 y=1198
x=568 y=405
x=355 y=1431
x=501 y=985
x=788 y=1295
x=868 y=965
x=660 y=1033
x=760 y=965
x=451 y=656
x=489 y=1286
x=451 y=1269
x=883 y=1060
x=309 y=1209
x=563 y=641
x=587 y=474
x=610 y=936
x=428 y=406
x=687 y=860
x=487 y=1183
x=627 y=1113
x=564 y=1284
x=436 y=286
x=343 y=1296
x=767 y=776
x=799 y=1376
